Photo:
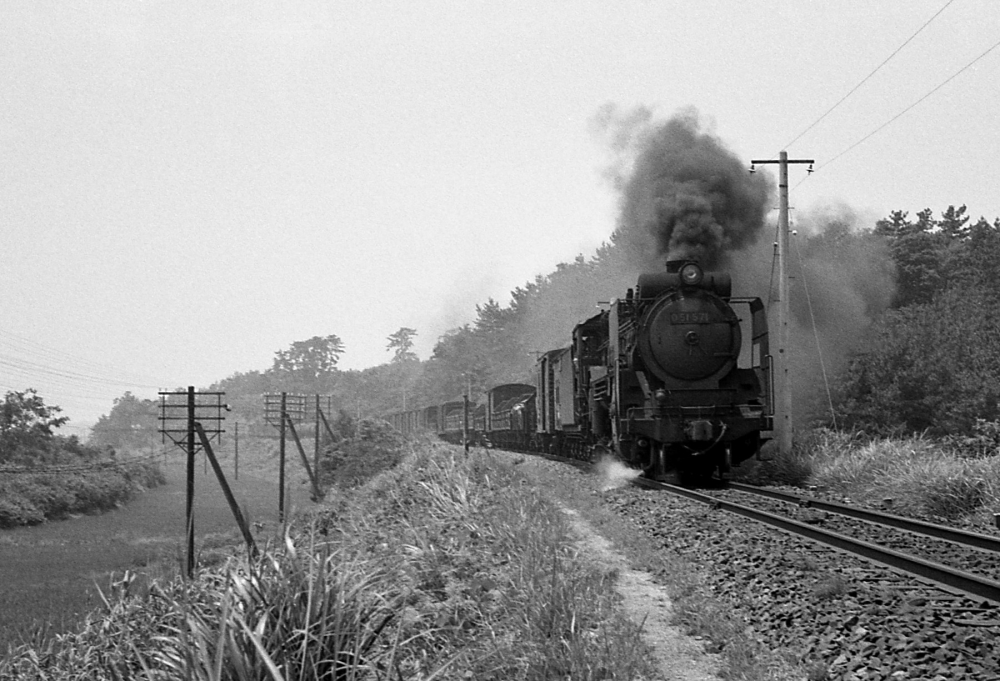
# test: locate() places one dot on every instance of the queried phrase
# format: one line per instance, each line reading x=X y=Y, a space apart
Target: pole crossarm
x=277 y=405
x=778 y=161
x=175 y=406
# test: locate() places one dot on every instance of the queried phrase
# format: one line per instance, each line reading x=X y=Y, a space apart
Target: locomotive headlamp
x=691 y=274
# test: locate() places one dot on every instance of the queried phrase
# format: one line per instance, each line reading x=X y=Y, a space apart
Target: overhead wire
x=70 y=382
x=65 y=375
x=82 y=468
x=41 y=352
x=815 y=328
x=868 y=77
x=911 y=106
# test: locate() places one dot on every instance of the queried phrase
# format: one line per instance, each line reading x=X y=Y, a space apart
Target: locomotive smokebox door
x=689 y=335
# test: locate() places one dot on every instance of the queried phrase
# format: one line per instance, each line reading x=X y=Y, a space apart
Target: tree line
x=932 y=362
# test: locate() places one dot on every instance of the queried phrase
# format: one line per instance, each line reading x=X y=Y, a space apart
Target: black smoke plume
x=684 y=194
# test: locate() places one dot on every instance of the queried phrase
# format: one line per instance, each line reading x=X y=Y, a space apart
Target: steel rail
x=979 y=541
x=938 y=575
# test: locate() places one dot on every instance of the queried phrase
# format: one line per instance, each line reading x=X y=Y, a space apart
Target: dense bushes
x=28 y=498
x=932 y=366
x=363 y=450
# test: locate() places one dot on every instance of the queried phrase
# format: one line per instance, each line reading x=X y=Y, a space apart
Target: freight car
x=664 y=378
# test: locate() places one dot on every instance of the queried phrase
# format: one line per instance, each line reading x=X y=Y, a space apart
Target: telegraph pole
x=281 y=462
x=465 y=421
x=282 y=411
x=189 y=506
x=783 y=387
x=172 y=404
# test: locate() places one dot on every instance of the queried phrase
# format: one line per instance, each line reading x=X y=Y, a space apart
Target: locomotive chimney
x=674 y=266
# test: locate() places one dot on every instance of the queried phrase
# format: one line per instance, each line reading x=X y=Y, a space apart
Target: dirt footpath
x=678 y=656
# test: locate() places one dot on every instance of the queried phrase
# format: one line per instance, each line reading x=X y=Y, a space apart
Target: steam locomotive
x=665 y=379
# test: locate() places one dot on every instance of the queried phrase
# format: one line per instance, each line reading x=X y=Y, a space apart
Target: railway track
x=945 y=577
x=918 y=527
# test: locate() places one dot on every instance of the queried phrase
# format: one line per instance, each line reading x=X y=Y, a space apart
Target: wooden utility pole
x=465 y=420
x=281 y=411
x=281 y=461
x=236 y=458
x=316 y=443
x=783 y=387
x=171 y=404
x=191 y=415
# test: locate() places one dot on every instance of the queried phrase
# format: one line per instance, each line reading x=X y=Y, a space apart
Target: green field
x=49 y=573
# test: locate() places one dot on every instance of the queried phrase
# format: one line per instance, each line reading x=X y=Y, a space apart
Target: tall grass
x=920 y=476
x=445 y=567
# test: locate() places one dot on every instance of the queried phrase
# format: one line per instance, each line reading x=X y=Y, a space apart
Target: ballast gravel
x=839 y=616
x=842 y=616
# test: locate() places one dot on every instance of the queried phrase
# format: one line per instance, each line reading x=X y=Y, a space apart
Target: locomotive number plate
x=689 y=318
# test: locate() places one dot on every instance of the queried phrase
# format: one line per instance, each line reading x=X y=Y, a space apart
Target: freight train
x=670 y=379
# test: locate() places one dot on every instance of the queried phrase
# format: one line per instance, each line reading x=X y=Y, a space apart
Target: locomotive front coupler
x=700 y=430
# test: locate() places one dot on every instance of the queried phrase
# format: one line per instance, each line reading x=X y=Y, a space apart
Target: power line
x=80 y=468
x=893 y=119
x=78 y=383
x=904 y=111
x=26 y=346
x=866 y=78
x=67 y=376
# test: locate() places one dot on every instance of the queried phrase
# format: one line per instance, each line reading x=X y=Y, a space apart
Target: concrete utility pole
x=783 y=384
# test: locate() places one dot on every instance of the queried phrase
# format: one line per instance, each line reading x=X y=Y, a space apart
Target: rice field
x=50 y=573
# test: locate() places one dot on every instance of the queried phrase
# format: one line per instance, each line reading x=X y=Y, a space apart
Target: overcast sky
x=188 y=186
